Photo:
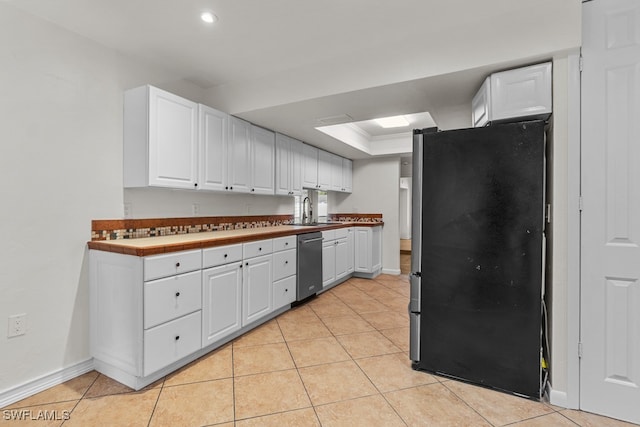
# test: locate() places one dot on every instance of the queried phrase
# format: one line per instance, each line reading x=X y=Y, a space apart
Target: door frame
x=574 y=250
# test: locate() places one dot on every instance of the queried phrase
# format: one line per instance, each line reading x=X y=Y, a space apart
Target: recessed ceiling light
x=208 y=17
x=392 y=122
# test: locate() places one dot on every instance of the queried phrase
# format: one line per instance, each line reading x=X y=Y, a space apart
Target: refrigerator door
x=414 y=336
x=481 y=266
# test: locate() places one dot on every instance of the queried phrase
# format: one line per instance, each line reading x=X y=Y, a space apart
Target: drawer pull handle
x=177 y=337
x=246 y=263
x=286 y=262
x=286 y=290
x=225 y=255
x=259 y=249
x=286 y=243
x=177 y=264
x=177 y=294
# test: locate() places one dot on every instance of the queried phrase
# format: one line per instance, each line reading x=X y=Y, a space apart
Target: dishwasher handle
x=312 y=240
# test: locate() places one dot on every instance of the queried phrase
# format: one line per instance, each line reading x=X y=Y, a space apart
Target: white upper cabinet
x=263 y=152
x=310 y=166
x=347 y=175
x=514 y=94
x=239 y=156
x=288 y=166
x=214 y=126
x=160 y=139
x=325 y=167
x=336 y=173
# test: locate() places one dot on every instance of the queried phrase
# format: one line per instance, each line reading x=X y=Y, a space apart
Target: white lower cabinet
x=221 y=302
x=256 y=288
x=284 y=271
x=368 y=251
x=328 y=262
x=337 y=255
x=171 y=342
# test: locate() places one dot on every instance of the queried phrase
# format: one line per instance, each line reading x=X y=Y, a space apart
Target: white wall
x=405 y=208
x=376 y=190
x=61 y=167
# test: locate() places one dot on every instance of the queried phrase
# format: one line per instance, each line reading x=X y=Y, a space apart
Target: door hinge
x=548 y=213
x=579 y=350
x=581 y=63
x=580 y=204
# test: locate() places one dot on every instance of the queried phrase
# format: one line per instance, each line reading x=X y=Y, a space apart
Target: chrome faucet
x=306 y=218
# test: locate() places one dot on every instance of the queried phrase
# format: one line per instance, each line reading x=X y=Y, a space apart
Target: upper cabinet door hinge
x=580 y=63
x=580 y=204
x=579 y=350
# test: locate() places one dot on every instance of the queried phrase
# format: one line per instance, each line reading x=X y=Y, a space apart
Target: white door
x=283 y=165
x=325 y=167
x=342 y=259
x=238 y=156
x=256 y=289
x=221 y=302
x=610 y=288
x=295 y=166
x=214 y=125
x=173 y=137
x=328 y=263
x=310 y=168
x=263 y=160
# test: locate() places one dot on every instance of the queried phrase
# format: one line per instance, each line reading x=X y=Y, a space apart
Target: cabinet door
x=173 y=136
x=283 y=165
x=342 y=258
x=222 y=302
x=362 y=254
x=263 y=155
x=376 y=249
x=310 y=168
x=325 y=167
x=256 y=289
x=295 y=166
x=350 y=250
x=481 y=104
x=347 y=175
x=239 y=156
x=336 y=173
x=523 y=92
x=214 y=126
x=328 y=263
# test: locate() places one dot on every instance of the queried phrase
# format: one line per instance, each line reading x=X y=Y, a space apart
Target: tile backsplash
x=114 y=229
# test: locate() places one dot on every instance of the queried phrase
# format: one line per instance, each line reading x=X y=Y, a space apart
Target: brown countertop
x=163 y=244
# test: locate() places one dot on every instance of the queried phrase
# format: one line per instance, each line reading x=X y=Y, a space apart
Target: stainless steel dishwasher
x=309 y=268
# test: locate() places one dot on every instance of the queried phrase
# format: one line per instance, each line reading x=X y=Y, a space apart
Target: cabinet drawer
x=171 y=341
x=158 y=266
x=328 y=235
x=284 y=264
x=284 y=243
x=284 y=292
x=254 y=249
x=212 y=257
x=169 y=298
x=341 y=233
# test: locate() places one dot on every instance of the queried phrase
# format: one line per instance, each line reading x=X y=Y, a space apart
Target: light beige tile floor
x=338 y=360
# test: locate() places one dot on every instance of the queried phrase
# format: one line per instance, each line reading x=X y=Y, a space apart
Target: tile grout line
x=299 y=375
x=82 y=397
x=155 y=405
x=467 y=404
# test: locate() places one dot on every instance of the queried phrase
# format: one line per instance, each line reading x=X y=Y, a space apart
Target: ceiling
x=287 y=64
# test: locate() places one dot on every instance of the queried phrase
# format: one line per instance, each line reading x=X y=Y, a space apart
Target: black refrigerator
x=478 y=255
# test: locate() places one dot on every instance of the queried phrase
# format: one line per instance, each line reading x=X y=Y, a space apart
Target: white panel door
x=221 y=302
x=214 y=126
x=256 y=288
x=173 y=137
x=610 y=288
x=325 y=167
x=310 y=166
x=283 y=162
x=296 y=166
x=328 y=263
x=239 y=156
x=263 y=160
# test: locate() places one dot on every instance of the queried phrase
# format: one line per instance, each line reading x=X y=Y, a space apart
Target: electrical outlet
x=17 y=325
x=128 y=210
x=195 y=209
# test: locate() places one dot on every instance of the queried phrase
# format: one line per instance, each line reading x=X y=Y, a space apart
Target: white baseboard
x=391 y=271
x=558 y=398
x=37 y=385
